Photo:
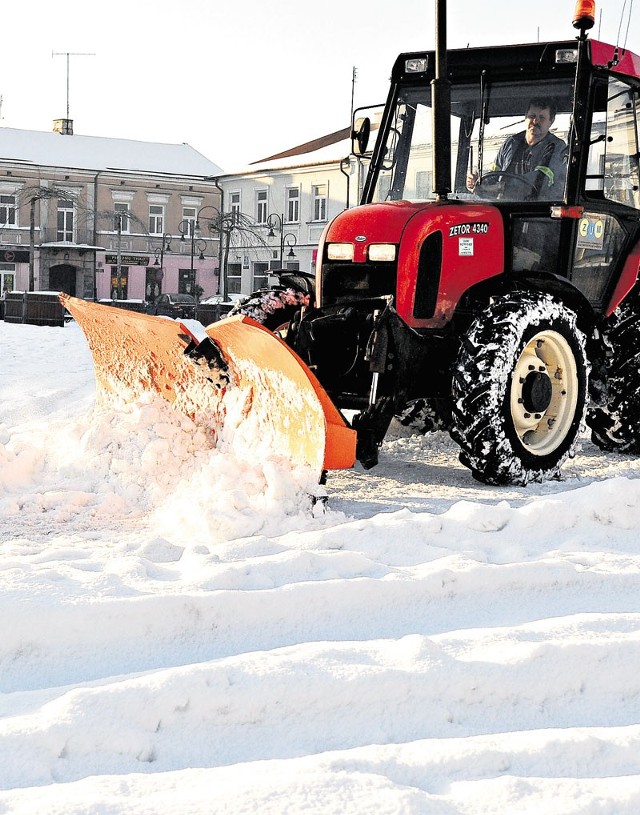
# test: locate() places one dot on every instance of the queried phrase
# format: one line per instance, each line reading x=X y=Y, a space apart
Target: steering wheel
x=495 y=176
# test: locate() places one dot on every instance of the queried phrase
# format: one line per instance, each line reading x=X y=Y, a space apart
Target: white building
x=288 y=199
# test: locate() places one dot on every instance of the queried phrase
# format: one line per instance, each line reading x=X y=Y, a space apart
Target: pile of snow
x=182 y=634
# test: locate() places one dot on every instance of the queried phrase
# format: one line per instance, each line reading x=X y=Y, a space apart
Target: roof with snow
x=310 y=146
x=324 y=150
x=50 y=149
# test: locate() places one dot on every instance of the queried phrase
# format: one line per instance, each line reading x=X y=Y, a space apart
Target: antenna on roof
x=354 y=76
x=68 y=54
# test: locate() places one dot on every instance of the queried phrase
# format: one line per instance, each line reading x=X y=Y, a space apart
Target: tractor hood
x=440 y=247
x=373 y=223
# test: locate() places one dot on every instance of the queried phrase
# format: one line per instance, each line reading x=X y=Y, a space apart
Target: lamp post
x=275 y=221
x=118 y=290
x=188 y=227
x=165 y=246
x=192 y=228
x=219 y=219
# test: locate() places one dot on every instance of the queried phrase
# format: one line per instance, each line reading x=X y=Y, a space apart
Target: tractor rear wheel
x=519 y=389
x=615 y=426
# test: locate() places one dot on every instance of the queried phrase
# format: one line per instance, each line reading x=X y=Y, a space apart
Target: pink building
x=106 y=218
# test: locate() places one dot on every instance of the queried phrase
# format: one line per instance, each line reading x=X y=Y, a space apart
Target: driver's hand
x=472 y=180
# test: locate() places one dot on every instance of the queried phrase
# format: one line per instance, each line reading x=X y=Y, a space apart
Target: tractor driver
x=535 y=156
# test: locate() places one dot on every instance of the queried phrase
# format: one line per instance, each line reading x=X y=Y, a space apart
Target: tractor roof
x=508 y=61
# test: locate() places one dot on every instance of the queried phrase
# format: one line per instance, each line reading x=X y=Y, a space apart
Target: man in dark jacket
x=533 y=161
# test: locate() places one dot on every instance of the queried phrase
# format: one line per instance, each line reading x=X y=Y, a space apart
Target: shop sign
x=128 y=260
x=14 y=256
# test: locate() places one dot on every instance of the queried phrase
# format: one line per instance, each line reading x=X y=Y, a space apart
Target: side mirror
x=360 y=136
x=366 y=121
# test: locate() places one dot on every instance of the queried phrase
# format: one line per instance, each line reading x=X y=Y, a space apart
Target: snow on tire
x=615 y=427
x=519 y=389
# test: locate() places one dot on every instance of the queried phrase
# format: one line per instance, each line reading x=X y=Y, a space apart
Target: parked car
x=181 y=306
x=213 y=308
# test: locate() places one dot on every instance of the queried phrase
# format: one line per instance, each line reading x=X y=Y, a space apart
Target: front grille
x=346 y=282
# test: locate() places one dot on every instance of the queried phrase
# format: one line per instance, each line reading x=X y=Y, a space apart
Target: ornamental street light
x=276 y=222
x=192 y=228
x=189 y=227
x=215 y=222
x=165 y=246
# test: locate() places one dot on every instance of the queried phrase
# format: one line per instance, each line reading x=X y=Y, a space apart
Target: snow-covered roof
x=325 y=155
x=34 y=147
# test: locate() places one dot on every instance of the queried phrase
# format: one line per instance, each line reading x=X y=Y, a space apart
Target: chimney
x=63 y=126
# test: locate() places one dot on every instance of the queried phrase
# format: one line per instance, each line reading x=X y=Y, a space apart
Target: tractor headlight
x=416 y=65
x=382 y=251
x=340 y=251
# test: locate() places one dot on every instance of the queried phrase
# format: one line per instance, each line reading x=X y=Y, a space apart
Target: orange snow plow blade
x=263 y=392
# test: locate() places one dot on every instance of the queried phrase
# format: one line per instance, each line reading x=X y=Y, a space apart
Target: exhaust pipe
x=441 y=105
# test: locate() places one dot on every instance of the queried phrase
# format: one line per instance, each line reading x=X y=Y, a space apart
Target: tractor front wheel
x=519 y=389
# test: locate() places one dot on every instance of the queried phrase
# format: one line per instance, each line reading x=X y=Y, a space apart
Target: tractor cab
x=571 y=203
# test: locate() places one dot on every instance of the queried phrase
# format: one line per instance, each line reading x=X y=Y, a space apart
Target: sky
x=182 y=633
x=242 y=80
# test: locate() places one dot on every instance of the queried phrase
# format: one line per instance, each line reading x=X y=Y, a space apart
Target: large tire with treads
x=519 y=389
x=615 y=426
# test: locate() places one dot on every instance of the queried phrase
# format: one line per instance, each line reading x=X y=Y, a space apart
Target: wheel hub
x=537 y=392
x=543 y=393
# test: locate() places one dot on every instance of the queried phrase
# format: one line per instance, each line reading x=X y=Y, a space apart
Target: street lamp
x=159 y=261
x=219 y=218
x=275 y=221
x=188 y=227
x=192 y=228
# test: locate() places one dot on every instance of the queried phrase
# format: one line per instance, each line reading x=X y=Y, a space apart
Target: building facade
x=106 y=218
x=289 y=199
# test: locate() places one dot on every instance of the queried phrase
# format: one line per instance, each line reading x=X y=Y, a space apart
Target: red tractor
x=496 y=299
x=487 y=284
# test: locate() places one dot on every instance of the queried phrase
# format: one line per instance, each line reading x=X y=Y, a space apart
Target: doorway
x=63 y=278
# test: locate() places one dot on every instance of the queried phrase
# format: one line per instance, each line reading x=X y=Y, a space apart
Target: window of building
x=119 y=283
x=65 y=221
x=189 y=217
x=320 y=202
x=121 y=219
x=235 y=206
x=156 y=219
x=234 y=278
x=7 y=277
x=187 y=281
x=423 y=184
x=260 y=275
x=8 y=210
x=261 y=206
x=293 y=205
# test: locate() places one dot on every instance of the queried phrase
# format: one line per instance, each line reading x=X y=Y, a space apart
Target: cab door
x=610 y=223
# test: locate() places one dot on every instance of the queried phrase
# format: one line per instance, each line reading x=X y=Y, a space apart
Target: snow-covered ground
x=180 y=636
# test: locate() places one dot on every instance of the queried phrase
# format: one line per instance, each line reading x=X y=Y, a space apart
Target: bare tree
x=234 y=229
